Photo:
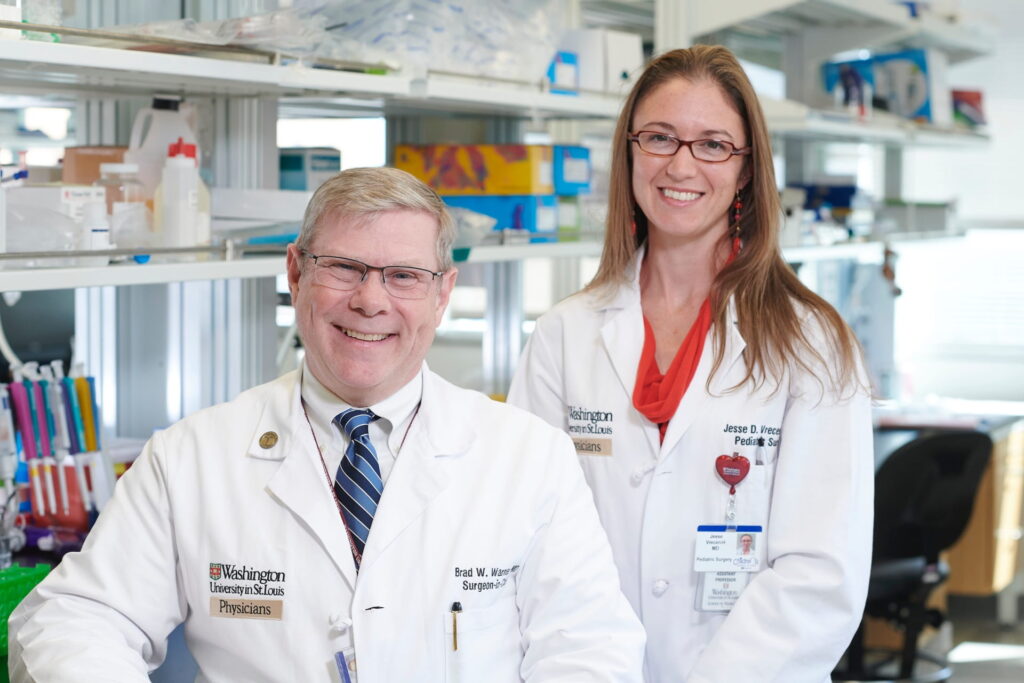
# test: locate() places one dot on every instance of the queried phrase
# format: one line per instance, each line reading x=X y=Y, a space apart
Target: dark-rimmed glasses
x=345 y=274
x=664 y=145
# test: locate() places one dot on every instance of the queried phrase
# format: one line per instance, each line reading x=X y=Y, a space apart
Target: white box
x=608 y=61
x=624 y=60
x=70 y=200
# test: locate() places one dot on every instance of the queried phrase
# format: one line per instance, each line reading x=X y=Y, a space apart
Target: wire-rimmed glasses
x=345 y=274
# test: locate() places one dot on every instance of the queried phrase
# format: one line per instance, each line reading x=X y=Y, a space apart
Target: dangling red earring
x=737 y=209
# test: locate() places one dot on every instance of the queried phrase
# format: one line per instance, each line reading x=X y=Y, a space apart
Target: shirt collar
x=323 y=406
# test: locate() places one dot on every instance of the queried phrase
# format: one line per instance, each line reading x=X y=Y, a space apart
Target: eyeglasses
x=664 y=145
x=345 y=274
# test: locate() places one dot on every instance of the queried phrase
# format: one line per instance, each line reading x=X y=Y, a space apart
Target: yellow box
x=479 y=169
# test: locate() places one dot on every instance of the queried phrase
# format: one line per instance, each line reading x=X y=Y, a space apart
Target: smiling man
x=360 y=518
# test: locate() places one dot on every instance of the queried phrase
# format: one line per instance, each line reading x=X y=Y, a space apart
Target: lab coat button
x=659 y=587
x=268 y=439
x=638 y=476
x=339 y=623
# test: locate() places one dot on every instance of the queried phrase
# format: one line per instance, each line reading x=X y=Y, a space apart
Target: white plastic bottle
x=153 y=130
x=95 y=233
x=181 y=206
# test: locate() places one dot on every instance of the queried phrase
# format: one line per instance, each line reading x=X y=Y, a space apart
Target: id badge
x=345 y=660
x=719 y=591
x=722 y=548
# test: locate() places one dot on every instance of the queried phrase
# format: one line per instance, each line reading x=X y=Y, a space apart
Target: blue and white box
x=571 y=166
x=306 y=168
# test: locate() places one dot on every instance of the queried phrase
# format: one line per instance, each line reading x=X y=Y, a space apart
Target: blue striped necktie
x=358 y=484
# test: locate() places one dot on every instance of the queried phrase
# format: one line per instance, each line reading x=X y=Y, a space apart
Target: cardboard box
x=911 y=83
x=624 y=60
x=968 y=108
x=608 y=61
x=68 y=199
x=479 y=169
x=82 y=164
x=571 y=170
x=532 y=213
x=564 y=74
x=306 y=168
x=570 y=219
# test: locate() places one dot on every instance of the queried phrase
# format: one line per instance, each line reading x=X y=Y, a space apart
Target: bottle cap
x=181 y=148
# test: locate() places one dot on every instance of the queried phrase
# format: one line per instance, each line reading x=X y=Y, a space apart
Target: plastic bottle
x=95 y=234
x=182 y=202
x=152 y=131
x=131 y=223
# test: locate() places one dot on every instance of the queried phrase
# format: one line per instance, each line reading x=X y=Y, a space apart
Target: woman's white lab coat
x=236 y=533
x=810 y=487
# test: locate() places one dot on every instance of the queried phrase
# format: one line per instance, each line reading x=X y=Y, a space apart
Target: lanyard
x=330 y=482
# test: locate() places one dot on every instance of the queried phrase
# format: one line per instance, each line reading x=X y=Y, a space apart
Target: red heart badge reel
x=732 y=469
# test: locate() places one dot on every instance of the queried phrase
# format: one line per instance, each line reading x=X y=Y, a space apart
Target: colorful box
x=564 y=74
x=306 y=168
x=572 y=170
x=479 y=169
x=532 y=213
x=570 y=218
x=911 y=83
x=968 y=108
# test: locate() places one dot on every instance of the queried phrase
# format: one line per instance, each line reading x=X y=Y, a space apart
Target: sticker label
x=592 y=446
x=246 y=609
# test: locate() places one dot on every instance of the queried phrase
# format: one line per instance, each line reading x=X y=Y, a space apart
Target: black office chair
x=924 y=494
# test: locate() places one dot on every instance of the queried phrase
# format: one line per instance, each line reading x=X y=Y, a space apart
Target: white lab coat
x=479 y=488
x=813 y=494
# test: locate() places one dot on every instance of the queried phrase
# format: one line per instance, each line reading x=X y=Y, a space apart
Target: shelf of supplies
x=841 y=25
x=516 y=252
x=794 y=120
x=32 y=67
x=864 y=252
x=134 y=274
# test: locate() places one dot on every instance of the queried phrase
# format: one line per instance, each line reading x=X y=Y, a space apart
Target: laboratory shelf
x=842 y=25
x=34 y=279
x=33 y=67
x=517 y=252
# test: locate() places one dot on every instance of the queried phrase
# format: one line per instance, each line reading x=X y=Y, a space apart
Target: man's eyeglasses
x=664 y=145
x=345 y=274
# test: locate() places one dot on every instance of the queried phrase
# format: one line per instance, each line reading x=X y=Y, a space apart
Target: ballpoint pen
x=456 y=608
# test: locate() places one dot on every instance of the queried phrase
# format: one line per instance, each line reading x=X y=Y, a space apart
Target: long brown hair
x=770 y=300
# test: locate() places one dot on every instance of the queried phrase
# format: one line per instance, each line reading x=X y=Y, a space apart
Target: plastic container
x=131 y=222
x=95 y=234
x=181 y=206
x=152 y=131
x=36 y=228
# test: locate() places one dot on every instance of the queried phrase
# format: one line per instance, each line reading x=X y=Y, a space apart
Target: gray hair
x=362 y=193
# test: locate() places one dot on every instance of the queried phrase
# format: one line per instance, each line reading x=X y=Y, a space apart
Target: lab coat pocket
x=488 y=643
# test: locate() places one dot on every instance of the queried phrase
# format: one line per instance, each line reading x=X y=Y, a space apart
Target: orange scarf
x=657 y=396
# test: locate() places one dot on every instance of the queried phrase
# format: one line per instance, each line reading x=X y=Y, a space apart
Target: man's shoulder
x=248 y=404
x=490 y=416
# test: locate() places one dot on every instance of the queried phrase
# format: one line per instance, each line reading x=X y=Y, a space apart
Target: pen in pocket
x=456 y=608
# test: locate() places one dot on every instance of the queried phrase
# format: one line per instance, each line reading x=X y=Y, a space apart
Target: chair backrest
x=924 y=493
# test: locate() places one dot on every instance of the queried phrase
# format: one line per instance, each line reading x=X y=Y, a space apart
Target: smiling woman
x=692 y=325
